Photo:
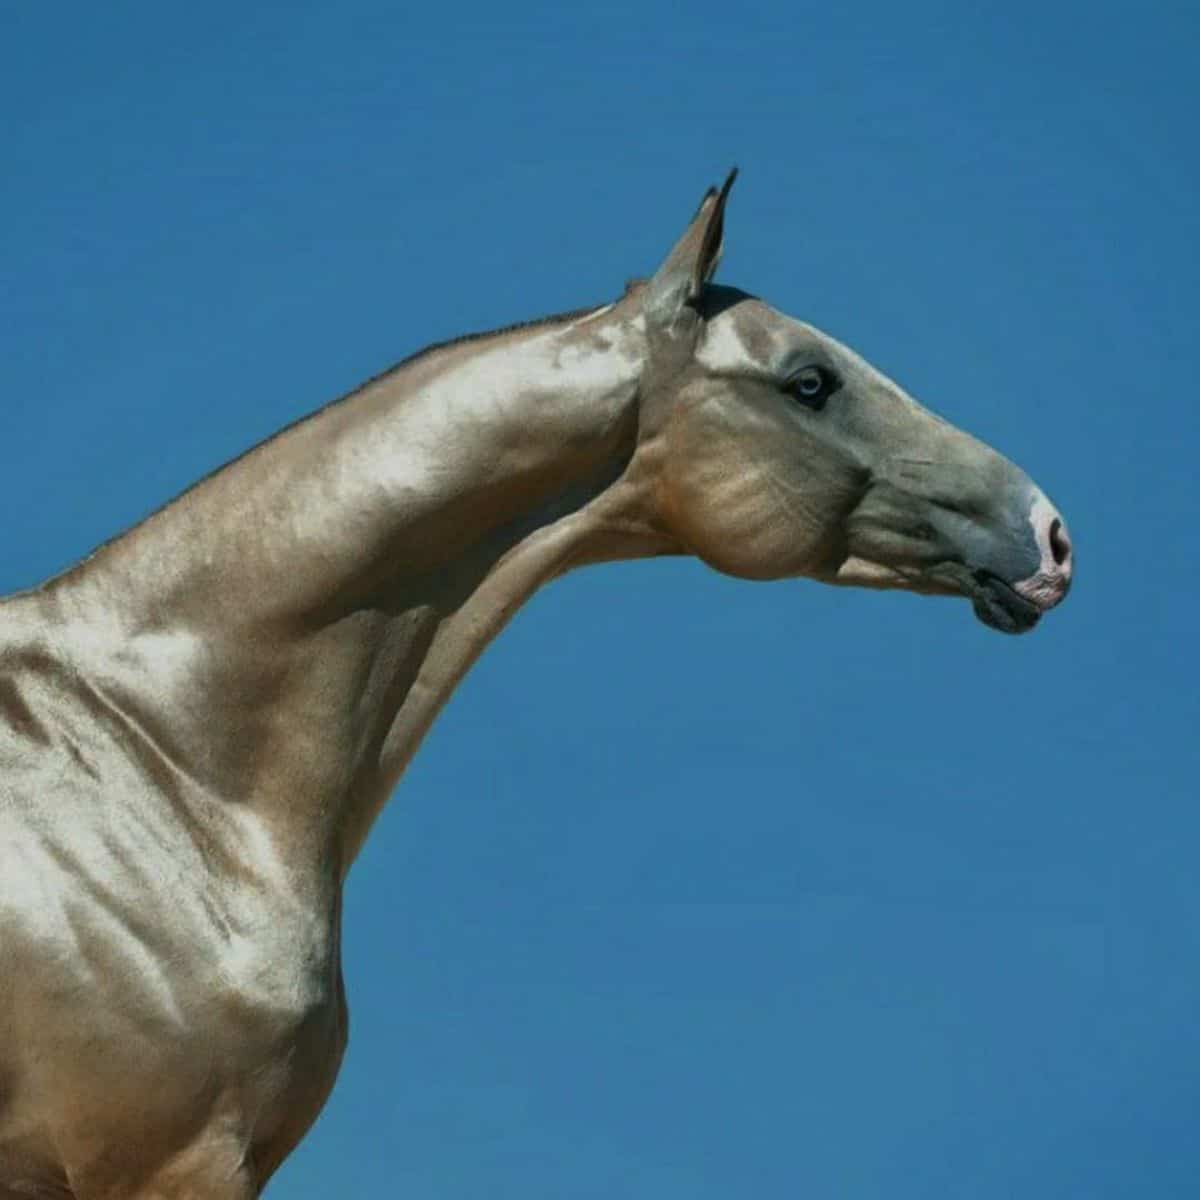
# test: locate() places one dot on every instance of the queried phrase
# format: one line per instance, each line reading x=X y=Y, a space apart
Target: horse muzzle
x=1049 y=584
x=1016 y=607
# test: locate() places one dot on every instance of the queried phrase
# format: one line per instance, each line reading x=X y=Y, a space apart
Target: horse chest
x=265 y=991
x=161 y=984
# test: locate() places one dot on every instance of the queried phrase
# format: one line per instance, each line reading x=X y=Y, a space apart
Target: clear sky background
x=699 y=888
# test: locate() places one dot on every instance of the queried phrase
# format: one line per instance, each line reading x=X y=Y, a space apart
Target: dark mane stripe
x=482 y=335
x=554 y=319
x=562 y=318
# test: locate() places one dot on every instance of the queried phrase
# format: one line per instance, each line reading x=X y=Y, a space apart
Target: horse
x=200 y=722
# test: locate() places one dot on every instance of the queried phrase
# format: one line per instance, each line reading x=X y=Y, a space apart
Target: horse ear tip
x=719 y=193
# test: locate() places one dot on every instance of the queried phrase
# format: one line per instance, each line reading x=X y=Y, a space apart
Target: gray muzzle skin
x=986 y=532
x=1015 y=569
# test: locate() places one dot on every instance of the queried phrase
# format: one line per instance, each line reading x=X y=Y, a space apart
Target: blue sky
x=699 y=888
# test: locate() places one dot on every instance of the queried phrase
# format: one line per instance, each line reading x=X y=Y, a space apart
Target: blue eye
x=812 y=386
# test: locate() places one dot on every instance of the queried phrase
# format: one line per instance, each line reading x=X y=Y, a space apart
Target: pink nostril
x=1060 y=544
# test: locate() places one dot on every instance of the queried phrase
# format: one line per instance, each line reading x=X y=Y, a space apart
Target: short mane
x=561 y=318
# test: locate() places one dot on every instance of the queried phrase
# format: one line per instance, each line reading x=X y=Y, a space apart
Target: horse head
x=776 y=451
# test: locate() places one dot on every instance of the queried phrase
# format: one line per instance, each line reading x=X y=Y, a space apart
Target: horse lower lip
x=998 y=606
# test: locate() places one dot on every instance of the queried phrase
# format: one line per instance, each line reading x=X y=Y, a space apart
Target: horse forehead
x=753 y=333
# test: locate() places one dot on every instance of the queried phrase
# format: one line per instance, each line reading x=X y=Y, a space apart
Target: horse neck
x=286 y=632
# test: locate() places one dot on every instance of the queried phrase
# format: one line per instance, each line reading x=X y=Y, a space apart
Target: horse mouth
x=998 y=606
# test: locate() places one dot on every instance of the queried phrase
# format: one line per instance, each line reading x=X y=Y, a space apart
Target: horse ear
x=692 y=263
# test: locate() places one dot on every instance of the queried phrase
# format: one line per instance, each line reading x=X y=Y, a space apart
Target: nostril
x=1060 y=544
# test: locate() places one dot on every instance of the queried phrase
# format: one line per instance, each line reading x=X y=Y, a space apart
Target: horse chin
x=866 y=572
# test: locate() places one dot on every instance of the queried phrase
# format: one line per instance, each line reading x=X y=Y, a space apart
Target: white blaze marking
x=1048 y=585
x=722 y=348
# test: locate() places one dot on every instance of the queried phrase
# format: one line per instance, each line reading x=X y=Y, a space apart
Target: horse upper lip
x=1044 y=590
